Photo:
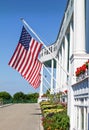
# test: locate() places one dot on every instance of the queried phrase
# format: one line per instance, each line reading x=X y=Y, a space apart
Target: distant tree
x=18 y=97
x=5 y=95
x=33 y=97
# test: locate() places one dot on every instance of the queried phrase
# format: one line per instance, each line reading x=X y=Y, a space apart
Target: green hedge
x=19 y=97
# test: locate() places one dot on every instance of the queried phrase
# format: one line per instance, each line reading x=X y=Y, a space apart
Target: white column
x=63 y=64
x=69 y=49
x=52 y=67
x=79 y=118
x=71 y=53
x=60 y=69
x=66 y=56
x=79 y=26
x=87 y=25
x=57 y=75
x=71 y=39
x=71 y=108
x=58 y=78
x=85 y=117
x=41 y=86
x=75 y=118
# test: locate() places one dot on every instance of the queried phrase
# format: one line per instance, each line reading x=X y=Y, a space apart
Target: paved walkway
x=21 y=117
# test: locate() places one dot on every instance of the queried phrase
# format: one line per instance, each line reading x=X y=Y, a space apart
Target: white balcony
x=45 y=55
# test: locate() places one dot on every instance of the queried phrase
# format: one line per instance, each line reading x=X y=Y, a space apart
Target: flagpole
x=30 y=29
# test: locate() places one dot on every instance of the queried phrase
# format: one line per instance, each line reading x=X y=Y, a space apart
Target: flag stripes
x=35 y=73
x=37 y=81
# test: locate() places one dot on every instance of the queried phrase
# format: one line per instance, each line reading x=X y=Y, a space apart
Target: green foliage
x=54 y=116
x=1 y=101
x=32 y=97
x=5 y=97
x=20 y=97
x=59 y=121
x=48 y=92
x=62 y=120
x=54 y=98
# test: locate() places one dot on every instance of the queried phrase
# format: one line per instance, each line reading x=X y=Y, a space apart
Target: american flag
x=25 y=58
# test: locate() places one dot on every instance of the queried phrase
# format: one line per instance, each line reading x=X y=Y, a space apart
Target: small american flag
x=25 y=58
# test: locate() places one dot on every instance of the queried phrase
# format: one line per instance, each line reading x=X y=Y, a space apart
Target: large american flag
x=25 y=58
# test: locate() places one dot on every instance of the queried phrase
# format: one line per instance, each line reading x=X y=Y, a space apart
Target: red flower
x=82 y=69
x=78 y=71
x=66 y=91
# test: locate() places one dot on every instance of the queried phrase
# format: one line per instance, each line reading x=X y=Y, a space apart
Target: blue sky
x=44 y=16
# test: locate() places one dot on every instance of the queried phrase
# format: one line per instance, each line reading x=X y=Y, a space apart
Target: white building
x=71 y=49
